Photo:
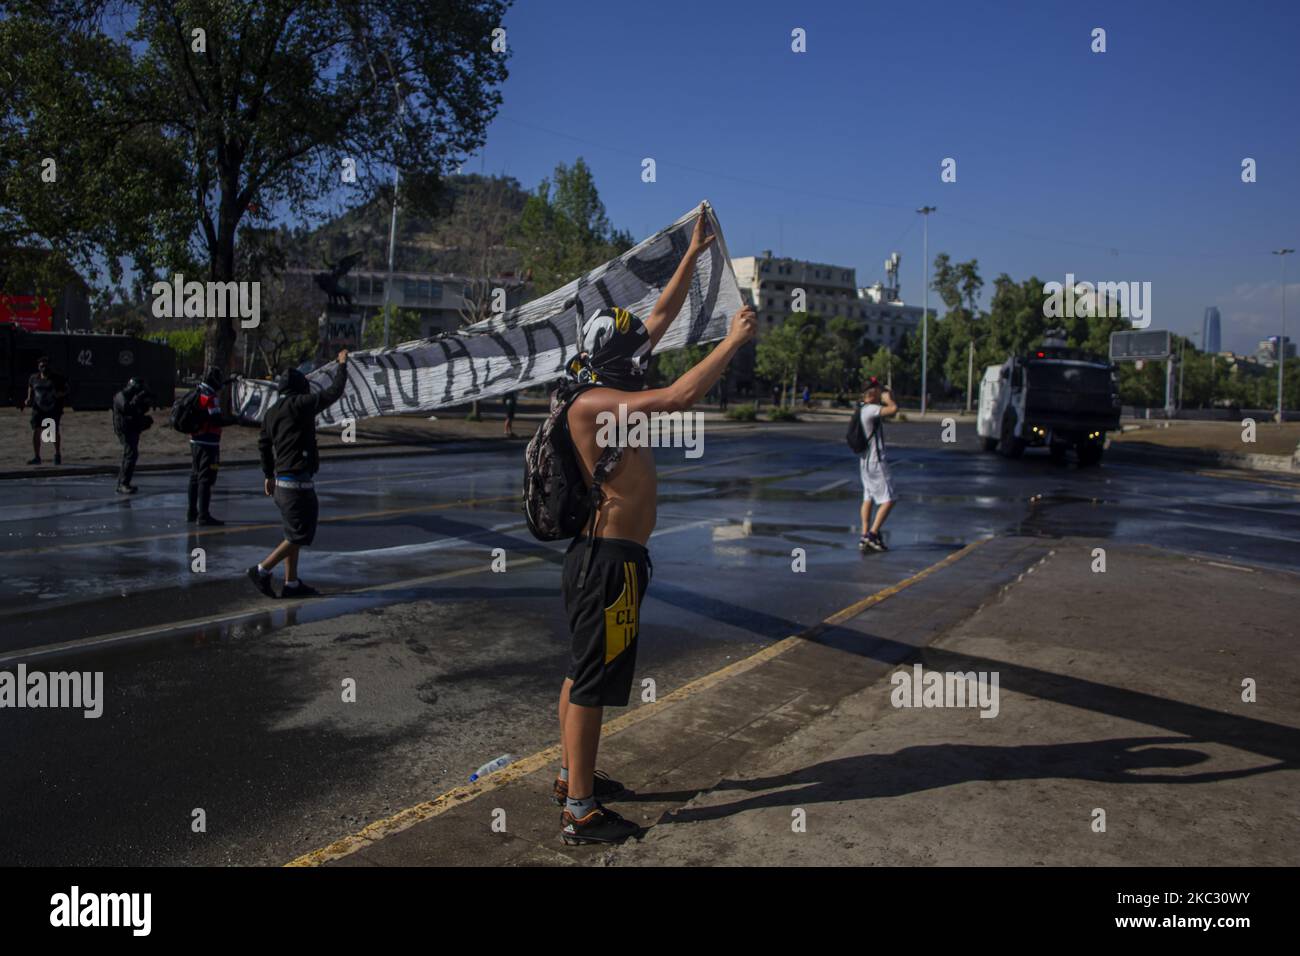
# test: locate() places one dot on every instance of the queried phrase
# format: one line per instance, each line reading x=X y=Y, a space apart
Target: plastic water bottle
x=492 y=766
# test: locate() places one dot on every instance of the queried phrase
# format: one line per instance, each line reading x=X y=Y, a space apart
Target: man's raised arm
x=674 y=294
x=682 y=394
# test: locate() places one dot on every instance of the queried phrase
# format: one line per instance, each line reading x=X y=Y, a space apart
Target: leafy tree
x=403 y=326
x=188 y=346
x=790 y=350
x=946 y=281
x=563 y=231
x=667 y=367
x=176 y=121
x=1015 y=317
x=844 y=344
x=880 y=364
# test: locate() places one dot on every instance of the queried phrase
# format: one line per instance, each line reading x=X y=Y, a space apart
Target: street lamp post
x=1281 y=339
x=1182 y=349
x=925 y=309
x=392 y=221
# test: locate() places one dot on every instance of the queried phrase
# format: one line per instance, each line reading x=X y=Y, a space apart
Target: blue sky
x=1123 y=165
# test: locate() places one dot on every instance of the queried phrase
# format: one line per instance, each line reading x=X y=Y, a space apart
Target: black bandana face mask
x=615 y=352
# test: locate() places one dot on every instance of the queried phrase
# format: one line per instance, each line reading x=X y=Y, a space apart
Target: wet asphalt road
x=217 y=699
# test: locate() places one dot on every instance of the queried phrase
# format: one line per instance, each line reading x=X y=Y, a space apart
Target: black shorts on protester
x=39 y=417
x=299 y=510
x=604 y=618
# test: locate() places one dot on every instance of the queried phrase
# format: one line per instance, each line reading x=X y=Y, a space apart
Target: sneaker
x=606 y=788
x=863 y=544
x=207 y=521
x=261 y=581
x=299 y=590
x=874 y=542
x=126 y=489
x=880 y=541
x=601 y=825
x=34 y=461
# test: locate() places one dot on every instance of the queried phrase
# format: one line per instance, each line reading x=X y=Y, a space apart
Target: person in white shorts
x=877 y=405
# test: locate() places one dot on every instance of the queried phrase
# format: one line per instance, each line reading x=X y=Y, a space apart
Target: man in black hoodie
x=130 y=418
x=290 y=459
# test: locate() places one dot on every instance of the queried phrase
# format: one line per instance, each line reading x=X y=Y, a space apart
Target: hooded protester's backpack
x=557 y=502
x=187 y=415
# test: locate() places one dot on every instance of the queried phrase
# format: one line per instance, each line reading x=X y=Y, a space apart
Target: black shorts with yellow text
x=604 y=618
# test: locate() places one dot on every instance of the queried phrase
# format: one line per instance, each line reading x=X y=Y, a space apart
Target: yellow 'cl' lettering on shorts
x=621 y=616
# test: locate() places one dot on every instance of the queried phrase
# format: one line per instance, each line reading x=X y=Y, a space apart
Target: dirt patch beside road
x=1224 y=437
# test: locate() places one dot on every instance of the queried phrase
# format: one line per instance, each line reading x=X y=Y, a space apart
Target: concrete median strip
x=520 y=769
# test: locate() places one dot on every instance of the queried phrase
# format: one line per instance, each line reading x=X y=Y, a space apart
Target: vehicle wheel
x=1089 y=454
x=1009 y=444
x=990 y=444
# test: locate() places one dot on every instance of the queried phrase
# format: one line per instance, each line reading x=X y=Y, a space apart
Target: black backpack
x=857 y=436
x=557 y=502
x=187 y=414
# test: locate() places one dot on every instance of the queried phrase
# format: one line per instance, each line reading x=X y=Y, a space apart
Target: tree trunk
x=219 y=337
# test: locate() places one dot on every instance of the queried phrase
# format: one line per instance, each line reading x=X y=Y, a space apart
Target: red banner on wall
x=30 y=312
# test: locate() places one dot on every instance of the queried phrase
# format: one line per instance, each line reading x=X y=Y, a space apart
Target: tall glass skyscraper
x=1210 y=330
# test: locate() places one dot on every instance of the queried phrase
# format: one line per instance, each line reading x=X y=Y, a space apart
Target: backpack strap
x=876 y=427
x=605 y=465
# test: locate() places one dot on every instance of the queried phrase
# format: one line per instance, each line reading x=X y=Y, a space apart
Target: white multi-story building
x=829 y=291
x=1266 y=353
x=885 y=319
x=769 y=284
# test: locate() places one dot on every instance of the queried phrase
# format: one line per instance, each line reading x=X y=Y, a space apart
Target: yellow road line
x=405 y=819
x=1294 y=486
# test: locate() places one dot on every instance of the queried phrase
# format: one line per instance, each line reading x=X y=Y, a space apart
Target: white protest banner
x=528 y=345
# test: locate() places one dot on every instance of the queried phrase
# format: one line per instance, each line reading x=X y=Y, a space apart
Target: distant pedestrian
x=877 y=405
x=511 y=402
x=205 y=448
x=807 y=396
x=131 y=418
x=46 y=391
x=290 y=459
x=776 y=395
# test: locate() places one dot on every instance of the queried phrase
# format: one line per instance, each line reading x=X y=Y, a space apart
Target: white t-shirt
x=871 y=419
